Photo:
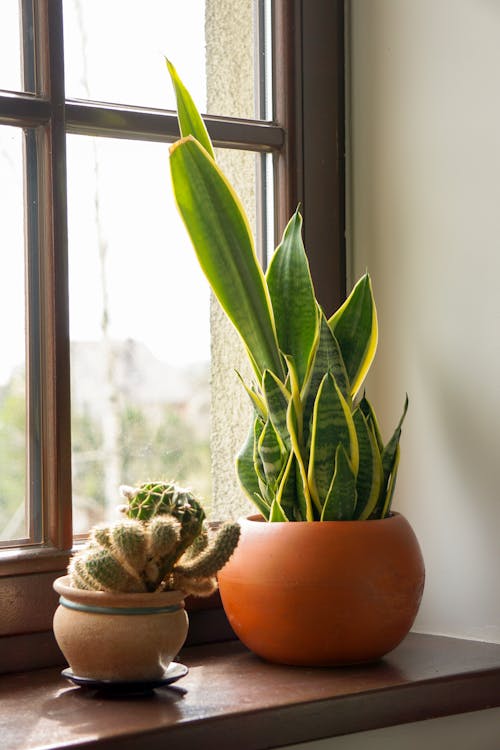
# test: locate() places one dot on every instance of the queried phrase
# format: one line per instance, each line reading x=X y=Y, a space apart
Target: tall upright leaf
x=301 y=475
x=356 y=329
x=292 y=297
x=369 y=478
x=222 y=240
x=327 y=358
x=276 y=399
x=390 y=460
x=272 y=453
x=332 y=425
x=340 y=504
x=245 y=470
x=190 y=120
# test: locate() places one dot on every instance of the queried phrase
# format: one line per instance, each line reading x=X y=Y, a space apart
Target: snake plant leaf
x=391 y=485
x=327 y=358
x=301 y=478
x=356 y=329
x=245 y=469
x=390 y=458
x=190 y=120
x=370 y=474
x=277 y=398
x=292 y=297
x=340 y=504
x=219 y=231
x=292 y=381
x=301 y=506
x=332 y=424
x=391 y=447
x=277 y=513
x=271 y=453
x=371 y=419
x=256 y=399
x=290 y=492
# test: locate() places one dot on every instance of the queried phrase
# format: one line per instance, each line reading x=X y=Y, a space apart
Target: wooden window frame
x=306 y=139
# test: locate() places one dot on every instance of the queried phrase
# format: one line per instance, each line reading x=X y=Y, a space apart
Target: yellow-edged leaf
x=356 y=329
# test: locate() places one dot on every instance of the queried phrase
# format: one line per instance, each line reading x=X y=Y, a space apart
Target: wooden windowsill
x=231 y=698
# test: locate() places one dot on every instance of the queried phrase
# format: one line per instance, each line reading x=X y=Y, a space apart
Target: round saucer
x=173 y=673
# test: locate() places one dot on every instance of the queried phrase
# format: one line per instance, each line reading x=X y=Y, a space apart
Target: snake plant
x=314 y=449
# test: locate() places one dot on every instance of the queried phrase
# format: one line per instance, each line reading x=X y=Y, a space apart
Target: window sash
x=308 y=169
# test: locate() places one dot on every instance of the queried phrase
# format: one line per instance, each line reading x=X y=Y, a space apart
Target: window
x=65 y=114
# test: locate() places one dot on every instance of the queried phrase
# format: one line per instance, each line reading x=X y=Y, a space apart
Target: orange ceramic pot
x=323 y=593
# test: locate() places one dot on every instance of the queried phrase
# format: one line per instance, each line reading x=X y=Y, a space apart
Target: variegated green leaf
x=290 y=492
x=356 y=329
x=370 y=474
x=220 y=233
x=294 y=387
x=332 y=424
x=277 y=513
x=340 y=504
x=256 y=399
x=245 y=470
x=271 y=453
x=190 y=121
x=276 y=398
x=291 y=421
x=327 y=358
x=389 y=463
x=292 y=296
x=371 y=419
x=391 y=485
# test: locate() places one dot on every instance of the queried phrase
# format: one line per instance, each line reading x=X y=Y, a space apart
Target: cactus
x=163 y=544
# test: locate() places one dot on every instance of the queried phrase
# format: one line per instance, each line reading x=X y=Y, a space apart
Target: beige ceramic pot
x=119 y=637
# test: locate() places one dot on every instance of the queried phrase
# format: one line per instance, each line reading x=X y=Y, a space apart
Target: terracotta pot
x=119 y=636
x=323 y=593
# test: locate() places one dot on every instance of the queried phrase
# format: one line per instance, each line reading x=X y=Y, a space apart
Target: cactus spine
x=161 y=545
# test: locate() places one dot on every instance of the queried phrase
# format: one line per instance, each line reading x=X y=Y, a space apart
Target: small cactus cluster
x=162 y=544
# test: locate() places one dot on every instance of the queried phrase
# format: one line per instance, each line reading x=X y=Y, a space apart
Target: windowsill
x=230 y=695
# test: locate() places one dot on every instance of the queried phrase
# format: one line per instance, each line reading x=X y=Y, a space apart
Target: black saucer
x=173 y=673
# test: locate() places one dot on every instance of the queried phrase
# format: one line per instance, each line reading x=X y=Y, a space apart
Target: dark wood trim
x=120 y=121
x=55 y=434
x=287 y=98
x=310 y=106
x=231 y=698
x=26 y=560
x=23 y=110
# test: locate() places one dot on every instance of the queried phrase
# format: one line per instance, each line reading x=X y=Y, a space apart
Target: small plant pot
x=119 y=637
x=323 y=593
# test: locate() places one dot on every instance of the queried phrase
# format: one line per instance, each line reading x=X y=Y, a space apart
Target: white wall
x=478 y=730
x=424 y=162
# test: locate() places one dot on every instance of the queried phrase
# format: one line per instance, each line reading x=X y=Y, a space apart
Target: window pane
x=12 y=362
x=139 y=320
x=10 y=49
x=215 y=37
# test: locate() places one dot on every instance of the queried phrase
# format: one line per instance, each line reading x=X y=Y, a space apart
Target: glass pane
x=10 y=48
x=12 y=362
x=139 y=321
x=213 y=39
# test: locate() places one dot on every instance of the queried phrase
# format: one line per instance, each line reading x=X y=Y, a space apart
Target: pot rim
x=258 y=518
x=148 y=600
